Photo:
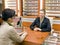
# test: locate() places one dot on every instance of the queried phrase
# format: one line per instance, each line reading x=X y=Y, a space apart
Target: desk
x=34 y=38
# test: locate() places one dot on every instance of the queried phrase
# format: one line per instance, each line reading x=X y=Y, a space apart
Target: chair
x=51 y=22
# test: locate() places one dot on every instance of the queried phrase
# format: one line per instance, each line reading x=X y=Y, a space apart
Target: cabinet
x=31 y=7
x=12 y=4
x=52 y=7
x=24 y=7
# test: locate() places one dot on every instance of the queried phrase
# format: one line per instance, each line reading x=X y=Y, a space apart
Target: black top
x=0 y=16
x=45 y=25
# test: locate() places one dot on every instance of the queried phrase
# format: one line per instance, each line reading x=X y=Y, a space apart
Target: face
x=41 y=14
x=10 y=20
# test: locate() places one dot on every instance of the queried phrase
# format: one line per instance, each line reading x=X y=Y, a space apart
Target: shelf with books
x=30 y=7
x=52 y=1
x=12 y=4
x=52 y=6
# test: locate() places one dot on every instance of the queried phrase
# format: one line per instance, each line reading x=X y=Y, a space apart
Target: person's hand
x=37 y=29
x=22 y=33
x=25 y=33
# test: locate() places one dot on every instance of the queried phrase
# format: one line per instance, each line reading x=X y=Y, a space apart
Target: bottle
x=19 y=23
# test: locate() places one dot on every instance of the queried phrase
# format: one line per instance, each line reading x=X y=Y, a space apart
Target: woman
x=41 y=23
x=8 y=35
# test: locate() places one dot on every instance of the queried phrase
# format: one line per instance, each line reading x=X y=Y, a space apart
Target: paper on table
x=18 y=30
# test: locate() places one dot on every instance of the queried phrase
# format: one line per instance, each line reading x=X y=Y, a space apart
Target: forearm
x=22 y=37
x=45 y=30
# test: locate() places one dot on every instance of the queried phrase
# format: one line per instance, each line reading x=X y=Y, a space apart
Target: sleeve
x=15 y=37
x=32 y=26
x=48 y=28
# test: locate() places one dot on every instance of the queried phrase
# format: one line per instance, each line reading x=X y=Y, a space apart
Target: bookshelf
x=12 y=4
x=52 y=7
x=30 y=7
x=24 y=7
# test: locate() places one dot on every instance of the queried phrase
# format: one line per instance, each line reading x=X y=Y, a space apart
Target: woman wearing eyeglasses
x=8 y=34
x=41 y=23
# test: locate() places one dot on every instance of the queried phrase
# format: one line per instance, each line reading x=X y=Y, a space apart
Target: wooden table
x=34 y=37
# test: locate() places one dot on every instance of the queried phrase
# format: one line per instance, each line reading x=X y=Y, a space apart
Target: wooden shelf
x=56 y=18
x=11 y=4
x=30 y=16
x=53 y=12
x=30 y=7
x=52 y=5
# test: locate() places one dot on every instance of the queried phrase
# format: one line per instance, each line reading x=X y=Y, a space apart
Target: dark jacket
x=45 y=25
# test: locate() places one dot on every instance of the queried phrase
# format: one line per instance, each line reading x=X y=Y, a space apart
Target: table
x=34 y=37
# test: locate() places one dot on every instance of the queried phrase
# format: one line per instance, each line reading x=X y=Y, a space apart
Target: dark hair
x=7 y=13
